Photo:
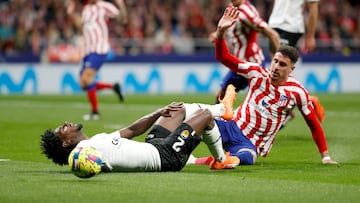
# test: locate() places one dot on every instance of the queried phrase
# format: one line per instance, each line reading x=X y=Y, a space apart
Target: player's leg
x=238 y=81
x=117 y=89
x=169 y=124
x=165 y=125
x=213 y=139
x=236 y=143
x=87 y=84
x=91 y=65
x=223 y=109
x=176 y=148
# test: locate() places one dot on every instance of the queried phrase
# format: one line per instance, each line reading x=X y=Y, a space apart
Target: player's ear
x=292 y=68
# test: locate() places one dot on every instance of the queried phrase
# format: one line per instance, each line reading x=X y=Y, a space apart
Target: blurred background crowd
x=159 y=26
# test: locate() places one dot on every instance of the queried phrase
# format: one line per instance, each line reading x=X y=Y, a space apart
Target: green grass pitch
x=291 y=173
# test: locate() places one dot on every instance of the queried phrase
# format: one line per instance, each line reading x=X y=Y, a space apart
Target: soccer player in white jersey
x=168 y=145
x=272 y=94
x=288 y=19
x=94 y=23
x=242 y=37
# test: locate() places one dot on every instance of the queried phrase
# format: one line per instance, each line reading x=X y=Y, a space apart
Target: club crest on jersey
x=184 y=134
x=283 y=99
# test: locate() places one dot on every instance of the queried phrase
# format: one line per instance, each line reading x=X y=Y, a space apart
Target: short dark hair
x=51 y=146
x=290 y=52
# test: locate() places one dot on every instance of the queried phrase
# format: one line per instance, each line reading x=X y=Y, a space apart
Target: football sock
x=216 y=110
x=204 y=160
x=212 y=139
x=93 y=100
x=101 y=85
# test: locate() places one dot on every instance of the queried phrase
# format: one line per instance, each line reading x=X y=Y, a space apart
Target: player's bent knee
x=246 y=156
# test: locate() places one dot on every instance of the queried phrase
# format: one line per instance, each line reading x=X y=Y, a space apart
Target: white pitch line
x=45 y=105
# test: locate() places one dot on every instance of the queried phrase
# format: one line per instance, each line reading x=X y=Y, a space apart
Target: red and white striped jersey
x=242 y=36
x=95 y=26
x=266 y=106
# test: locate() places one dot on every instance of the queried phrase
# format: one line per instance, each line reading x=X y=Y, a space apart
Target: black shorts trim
x=176 y=148
x=288 y=38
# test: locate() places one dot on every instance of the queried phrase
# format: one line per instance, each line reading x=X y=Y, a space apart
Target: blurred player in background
x=288 y=19
x=94 y=23
x=242 y=38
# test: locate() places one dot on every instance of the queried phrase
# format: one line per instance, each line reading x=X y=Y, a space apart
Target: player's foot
x=228 y=101
x=117 y=89
x=94 y=116
x=319 y=109
x=229 y=163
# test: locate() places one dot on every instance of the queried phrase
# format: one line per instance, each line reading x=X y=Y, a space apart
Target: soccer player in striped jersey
x=94 y=23
x=288 y=19
x=272 y=94
x=242 y=38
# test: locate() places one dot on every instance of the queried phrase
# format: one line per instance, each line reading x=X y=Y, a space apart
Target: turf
x=291 y=173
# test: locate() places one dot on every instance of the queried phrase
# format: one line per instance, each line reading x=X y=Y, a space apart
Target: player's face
x=67 y=130
x=280 y=69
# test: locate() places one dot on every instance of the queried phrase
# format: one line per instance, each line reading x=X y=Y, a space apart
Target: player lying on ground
x=168 y=146
x=272 y=94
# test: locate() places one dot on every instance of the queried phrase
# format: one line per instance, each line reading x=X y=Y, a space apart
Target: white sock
x=212 y=139
x=191 y=160
x=216 y=110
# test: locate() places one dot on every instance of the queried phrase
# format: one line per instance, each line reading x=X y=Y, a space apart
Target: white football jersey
x=121 y=154
x=288 y=15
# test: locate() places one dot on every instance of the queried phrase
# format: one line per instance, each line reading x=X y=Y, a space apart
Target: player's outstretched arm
x=229 y=18
x=141 y=125
x=123 y=11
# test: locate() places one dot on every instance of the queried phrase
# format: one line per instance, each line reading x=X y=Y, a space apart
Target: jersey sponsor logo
x=261 y=108
x=115 y=141
x=264 y=103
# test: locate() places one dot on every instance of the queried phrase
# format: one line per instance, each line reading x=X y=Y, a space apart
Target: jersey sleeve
x=308 y=112
x=111 y=10
x=316 y=131
x=250 y=16
x=238 y=66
